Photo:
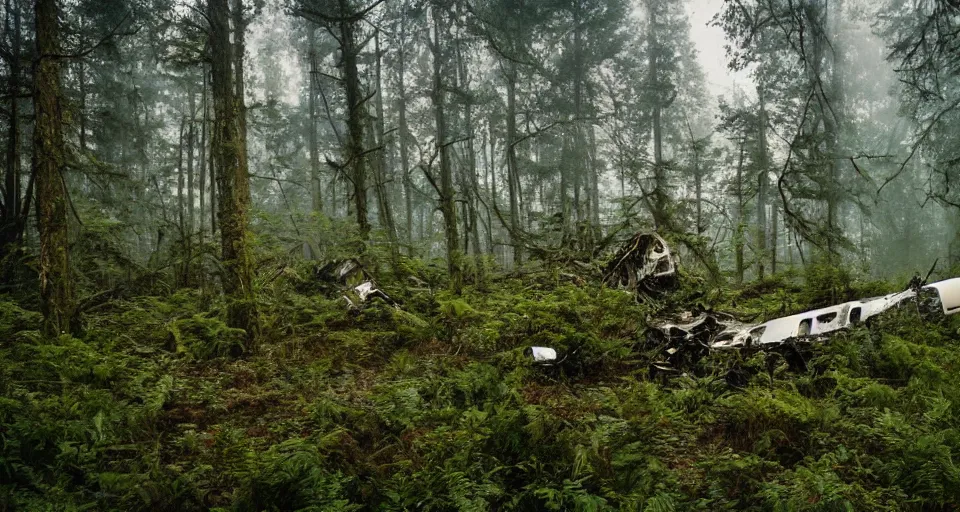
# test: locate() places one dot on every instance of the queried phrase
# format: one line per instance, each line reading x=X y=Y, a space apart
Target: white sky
x=710 y=41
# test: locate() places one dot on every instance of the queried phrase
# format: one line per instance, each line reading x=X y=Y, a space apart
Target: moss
x=433 y=406
x=14 y=319
x=204 y=338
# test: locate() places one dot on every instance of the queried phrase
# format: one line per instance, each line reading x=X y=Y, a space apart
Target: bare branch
x=115 y=31
x=916 y=145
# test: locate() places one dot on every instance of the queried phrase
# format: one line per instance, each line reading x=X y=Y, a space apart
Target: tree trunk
x=762 y=187
x=594 y=181
x=383 y=197
x=181 y=207
x=698 y=198
x=12 y=215
x=316 y=188
x=202 y=178
x=82 y=111
x=580 y=162
x=491 y=182
x=404 y=138
x=56 y=286
x=659 y=173
x=470 y=180
x=181 y=202
x=697 y=183
x=447 y=201
x=833 y=119
x=230 y=157
x=738 y=237
x=203 y=157
x=191 y=219
x=513 y=173
x=354 y=154
x=316 y=192
x=212 y=166
x=239 y=42
x=774 y=221
x=405 y=153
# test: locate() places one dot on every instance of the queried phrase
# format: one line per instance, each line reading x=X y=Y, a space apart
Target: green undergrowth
x=430 y=404
x=794 y=291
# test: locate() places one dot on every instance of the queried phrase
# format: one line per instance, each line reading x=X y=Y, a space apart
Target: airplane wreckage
x=352 y=281
x=647 y=265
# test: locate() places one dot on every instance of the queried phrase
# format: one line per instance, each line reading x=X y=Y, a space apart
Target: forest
x=279 y=255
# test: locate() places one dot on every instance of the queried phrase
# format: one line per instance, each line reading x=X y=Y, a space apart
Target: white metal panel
x=873 y=307
x=949 y=292
x=543 y=353
x=781 y=328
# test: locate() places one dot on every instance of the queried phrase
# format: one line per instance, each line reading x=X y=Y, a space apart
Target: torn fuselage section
x=814 y=325
x=684 y=339
x=692 y=328
x=721 y=332
x=644 y=263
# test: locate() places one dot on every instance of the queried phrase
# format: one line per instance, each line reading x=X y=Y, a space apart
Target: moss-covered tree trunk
x=229 y=153
x=381 y=169
x=447 y=200
x=762 y=185
x=316 y=190
x=203 y=151
x=404 y=138
x=56 y=287
x=191 y=219
x=354 y=152
x=469 y=169
x=513 y=171
x=659 y=171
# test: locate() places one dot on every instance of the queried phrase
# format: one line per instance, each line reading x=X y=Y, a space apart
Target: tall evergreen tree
x=56 y=282
x=230 y=163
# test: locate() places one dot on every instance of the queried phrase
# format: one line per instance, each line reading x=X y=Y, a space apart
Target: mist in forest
x=195 y=137
x=471 y=255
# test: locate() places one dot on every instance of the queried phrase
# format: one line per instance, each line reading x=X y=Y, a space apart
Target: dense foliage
x=432 y=406
x=179 y=177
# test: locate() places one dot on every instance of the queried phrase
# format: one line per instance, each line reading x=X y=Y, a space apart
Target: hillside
x=433 y=406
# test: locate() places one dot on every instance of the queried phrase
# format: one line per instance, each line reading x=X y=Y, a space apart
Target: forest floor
x=432 y=405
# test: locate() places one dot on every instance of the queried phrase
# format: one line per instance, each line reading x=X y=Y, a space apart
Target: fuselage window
x=855 y=315
x=827 y=318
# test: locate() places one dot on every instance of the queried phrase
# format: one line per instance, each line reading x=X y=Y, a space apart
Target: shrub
x=205 y=338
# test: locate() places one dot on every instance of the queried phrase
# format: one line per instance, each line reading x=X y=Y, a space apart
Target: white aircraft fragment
x=542 y=354
x=356 y=284
x=949 y=293
x=811 y=325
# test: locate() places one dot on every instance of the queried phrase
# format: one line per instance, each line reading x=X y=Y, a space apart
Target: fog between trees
x=147 y=136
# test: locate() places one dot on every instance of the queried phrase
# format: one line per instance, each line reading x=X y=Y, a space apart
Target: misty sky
x=710 y=41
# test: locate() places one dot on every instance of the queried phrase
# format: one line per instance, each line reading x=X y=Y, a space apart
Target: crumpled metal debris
x=356 y=284
x=644 y=263
x=694 y=328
